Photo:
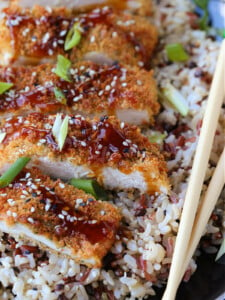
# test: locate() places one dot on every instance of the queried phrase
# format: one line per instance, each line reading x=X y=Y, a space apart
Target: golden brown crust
x=94 y=144
x=38 y=33
x=46 y=208
x=94 y=90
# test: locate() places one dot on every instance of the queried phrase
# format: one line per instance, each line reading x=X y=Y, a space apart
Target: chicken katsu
x=37 y=35
x=59 y=217
x=113 y=152
x=93 y=90
x=141 y=7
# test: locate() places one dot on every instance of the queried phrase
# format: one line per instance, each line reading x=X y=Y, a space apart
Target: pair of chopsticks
x=191 y=228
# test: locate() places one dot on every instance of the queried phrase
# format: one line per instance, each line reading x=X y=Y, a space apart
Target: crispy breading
x=117 y=154
x=70 y=220
x=141 y=7
x=94 y=90
x=38 y=34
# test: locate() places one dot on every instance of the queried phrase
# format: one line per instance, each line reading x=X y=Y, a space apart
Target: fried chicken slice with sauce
x=37 y=35
x=141 y=7
x=58 y=217
x=128 y=93
x=114 y=153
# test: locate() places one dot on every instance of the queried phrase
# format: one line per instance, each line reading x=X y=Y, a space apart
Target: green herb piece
x=176 y=53
x=60 y=130
x=62 y=68
x=2 y=136
x=59 y=95
x=157 y=137
x=4 y=87
x=221 y=251
x=13 y=171
x=221 y=32
x=90 y=186
x=203 y=4
x=73 y=37
x=204 y=21
x=178 y=101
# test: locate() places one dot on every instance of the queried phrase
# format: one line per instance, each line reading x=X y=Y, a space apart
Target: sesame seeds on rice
x=141 y=255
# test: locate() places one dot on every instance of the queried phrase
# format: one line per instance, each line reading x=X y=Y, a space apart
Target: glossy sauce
x=94 y=233
x=100 y=142
x=58 y=24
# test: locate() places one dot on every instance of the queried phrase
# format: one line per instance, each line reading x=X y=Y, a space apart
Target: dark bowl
x=207 y=283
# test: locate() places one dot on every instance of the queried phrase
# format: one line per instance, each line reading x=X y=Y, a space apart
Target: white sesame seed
x=30 y=220
x=32 y=209
x=14 y=214
x=9 y=213
x=92 y=39
x=122 y=124
x=124 y=84
x=83 y=144
x=140 y=64
x=107 y=88
x=61 y=185
x=61 y=216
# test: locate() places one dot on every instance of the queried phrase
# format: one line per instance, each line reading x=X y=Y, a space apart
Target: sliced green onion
x=59 y=95
x=203 y=4
x=90 y=186
x=73 y=37
x=4 y=87
x=2 y=136
x=176 y=52
x=157 y=137
x=221 y=251
x=204 y=21
x=62 y=68
x=13 y=171
x=60 y=130
x=175 y=98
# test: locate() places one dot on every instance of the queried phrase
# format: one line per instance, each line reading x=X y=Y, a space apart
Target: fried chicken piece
x=129 y=93
x=141 y=7
x=58 y=217
x=39 y=35
x=115 y=153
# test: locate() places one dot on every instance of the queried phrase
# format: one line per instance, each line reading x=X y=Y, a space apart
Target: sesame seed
x=11 y=202
x=14 y=214
x=139 y=82
x=83 y=144
x=9 y=213
x=122 y=124
x=125 y=143
x=30 y=220
x=61 y=185
x=107 y=88
x=124 y=84
x=61 y=216
x=140 y=64
x=92 y=39
x=97 y=152
x=32 y=209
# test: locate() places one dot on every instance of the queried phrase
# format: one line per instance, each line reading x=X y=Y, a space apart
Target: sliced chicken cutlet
x=103 y=36
x=93 y=90
x=115 y=153
x=141 y=7
x=59 y=217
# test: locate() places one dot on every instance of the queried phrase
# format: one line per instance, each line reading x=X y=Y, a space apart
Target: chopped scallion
x=73 y=37
x=4 y=87
x=60 y=130
x=176 y=53
x=62 y=68
x=175 y=98
x=2 y=136
x=157 y=137
x=90 y=186
x=59 y=95
x=13 y=171
x=221 y=251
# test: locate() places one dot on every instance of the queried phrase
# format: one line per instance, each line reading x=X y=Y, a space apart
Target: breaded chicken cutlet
x=141 y=7
x=38 y=35
x=93 y=90
x=115 y=153
x=59 y=217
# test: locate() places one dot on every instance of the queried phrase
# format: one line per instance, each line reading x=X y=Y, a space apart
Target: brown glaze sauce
x=100 y=142
x=94 y=233
x=59 y=24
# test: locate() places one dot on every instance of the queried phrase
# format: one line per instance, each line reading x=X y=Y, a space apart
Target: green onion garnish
x=203 y=22
x=60 y=130
x=2 y=136
x=13 y=171
x=90 y=186
x=62 y=68
x=4 y=87
x=157 y=137
x=176 y=53
x=221 y=251
x=59 y=95
x=73 y=37
x=175 y=98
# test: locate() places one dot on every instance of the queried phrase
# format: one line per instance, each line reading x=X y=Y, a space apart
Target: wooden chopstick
x=205 y=209
x=197 y=176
